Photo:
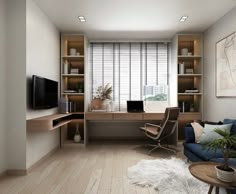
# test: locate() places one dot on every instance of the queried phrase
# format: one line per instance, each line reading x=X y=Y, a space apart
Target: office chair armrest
x=153 y=125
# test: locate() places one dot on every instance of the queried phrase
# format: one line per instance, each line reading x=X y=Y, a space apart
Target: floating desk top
x=119 y=116
x=122 y=116
x=47 y=123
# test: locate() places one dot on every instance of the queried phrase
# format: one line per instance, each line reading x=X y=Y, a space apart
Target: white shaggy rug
x=166 y=176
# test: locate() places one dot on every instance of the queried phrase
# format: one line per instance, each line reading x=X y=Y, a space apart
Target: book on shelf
x=191 y=91
x=70 y=91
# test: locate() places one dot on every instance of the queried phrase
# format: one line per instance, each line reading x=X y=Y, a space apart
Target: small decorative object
x=189 y=70
x=189 y=54
x=77 y=53
x=192 y=108
x=181 y=68
x=74 y=70
x=80 y=87
x=77 y=137
x=102 y=94
x=184 y=51
x=63 y=105
x=66 y=65
x=72 y=51
x=226 y=67
x=225 y=144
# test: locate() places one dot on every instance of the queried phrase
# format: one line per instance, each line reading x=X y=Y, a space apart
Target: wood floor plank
x=100 y=168
x=93 y=184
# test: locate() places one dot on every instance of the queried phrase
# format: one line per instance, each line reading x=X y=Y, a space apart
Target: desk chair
x=161 y=132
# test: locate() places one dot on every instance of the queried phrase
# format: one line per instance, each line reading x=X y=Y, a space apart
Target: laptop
x=135 y=106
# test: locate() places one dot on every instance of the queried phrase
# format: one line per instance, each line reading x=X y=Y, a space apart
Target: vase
x=77 y=138
x=97 y=104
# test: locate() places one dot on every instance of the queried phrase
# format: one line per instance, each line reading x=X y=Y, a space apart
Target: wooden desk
x=205 y=171
x=123 y=117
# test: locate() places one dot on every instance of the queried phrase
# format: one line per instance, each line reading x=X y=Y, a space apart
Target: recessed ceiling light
x=82 y=18
x=183 y=18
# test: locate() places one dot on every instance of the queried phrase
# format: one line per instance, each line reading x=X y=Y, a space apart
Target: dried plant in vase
x=102 y=94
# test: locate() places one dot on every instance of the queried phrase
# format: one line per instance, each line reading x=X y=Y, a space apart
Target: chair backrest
x=168 y=124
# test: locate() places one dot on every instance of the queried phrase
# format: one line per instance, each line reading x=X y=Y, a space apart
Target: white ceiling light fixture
x=183 y=18
x=82 y=18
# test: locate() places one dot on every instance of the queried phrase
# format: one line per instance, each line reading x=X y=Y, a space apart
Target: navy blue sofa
x=195 y=152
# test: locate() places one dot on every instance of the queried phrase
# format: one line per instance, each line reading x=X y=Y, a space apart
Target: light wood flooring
x=101 y=168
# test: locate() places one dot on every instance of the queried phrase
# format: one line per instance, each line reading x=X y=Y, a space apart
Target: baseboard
x=22 y=172
x=3 y=174
x=17 y=172
x=33 y=166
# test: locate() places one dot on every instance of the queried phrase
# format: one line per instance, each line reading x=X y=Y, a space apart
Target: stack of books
x=191 y=91
x=74 y=71
x=70 y=91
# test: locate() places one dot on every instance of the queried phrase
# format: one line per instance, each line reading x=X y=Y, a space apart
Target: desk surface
x=123 y=116
x=106 y=116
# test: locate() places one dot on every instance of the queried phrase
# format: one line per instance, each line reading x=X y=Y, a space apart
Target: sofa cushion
x=198 y=129
x=233 y=121
x=208 y=134
x=202 y=152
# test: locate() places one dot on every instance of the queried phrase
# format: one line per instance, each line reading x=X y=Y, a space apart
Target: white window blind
x=132 y=69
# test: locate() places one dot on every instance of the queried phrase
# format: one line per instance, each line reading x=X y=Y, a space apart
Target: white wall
x=16 y=84
x=43 y=59
x=3 y=161
x=217 y=108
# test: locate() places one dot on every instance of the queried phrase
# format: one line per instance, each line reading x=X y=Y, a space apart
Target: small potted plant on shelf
x=228 y=140
x=102 y=94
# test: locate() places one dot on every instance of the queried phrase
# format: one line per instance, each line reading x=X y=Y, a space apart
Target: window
x=136 y=71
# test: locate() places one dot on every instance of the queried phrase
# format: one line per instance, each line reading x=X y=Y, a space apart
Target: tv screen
x=45 y=93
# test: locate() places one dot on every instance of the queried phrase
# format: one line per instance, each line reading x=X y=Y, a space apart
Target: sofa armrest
x=189 y=134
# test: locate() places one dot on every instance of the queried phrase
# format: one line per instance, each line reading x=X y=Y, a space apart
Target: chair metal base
x=158 y=145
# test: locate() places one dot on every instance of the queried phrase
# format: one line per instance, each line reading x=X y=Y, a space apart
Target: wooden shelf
x=73 y=57
x=190 y=75
x=189 y=57
x=189 y=94
x=76 y=113
x=71 y=142
x=72 y=75
x=73 y=94
x=49 y=122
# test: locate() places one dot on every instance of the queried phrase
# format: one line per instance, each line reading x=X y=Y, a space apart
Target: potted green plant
x=225 y=144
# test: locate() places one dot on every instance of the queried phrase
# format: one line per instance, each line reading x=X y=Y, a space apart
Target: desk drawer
x=99 y=116
x=153 y=116
x=128 y=116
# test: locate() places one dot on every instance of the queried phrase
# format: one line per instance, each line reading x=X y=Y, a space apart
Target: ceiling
x=134 y=19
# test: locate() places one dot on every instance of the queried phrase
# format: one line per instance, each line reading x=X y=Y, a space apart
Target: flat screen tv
x=45 y=93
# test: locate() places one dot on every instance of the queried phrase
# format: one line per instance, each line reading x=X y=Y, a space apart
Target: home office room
x=117 y=96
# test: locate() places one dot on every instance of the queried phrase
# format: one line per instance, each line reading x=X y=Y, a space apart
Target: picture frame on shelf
x=226 y=67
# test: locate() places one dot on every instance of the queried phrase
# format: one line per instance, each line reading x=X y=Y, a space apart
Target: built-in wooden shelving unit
x=189 y=102
x=73 y=60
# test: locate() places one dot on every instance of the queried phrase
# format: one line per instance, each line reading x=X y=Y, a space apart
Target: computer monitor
x=135 y=106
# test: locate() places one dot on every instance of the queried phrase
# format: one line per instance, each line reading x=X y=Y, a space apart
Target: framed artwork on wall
x=226 y=66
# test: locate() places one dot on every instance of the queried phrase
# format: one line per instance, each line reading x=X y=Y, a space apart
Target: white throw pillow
x=198 y=129
x=208 y=134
